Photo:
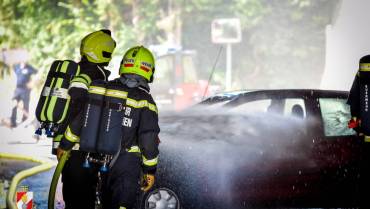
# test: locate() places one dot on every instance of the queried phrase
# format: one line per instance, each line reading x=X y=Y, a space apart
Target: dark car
x=263 y=148
x=222 y=98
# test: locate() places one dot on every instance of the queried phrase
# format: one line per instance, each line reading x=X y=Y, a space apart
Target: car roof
x=297 y=91
x=283 y=93
x=223 y=96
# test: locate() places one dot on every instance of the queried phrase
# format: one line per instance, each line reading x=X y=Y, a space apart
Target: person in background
x=21 y=98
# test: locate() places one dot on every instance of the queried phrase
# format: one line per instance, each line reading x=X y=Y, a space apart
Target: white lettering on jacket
x=127 y=122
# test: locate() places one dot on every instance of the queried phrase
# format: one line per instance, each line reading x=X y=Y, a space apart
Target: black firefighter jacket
x=140 y=127
x=78 y=90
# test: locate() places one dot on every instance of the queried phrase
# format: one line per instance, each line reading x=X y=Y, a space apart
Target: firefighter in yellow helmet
x=139 y=145
x=79 y=183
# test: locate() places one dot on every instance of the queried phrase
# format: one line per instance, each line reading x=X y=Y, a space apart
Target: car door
x=288 y=172
x=336 y=150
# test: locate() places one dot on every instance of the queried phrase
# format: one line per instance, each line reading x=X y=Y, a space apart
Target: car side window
x=253 y=106
x=288 y=107
x=295 y=107
x=335 y=114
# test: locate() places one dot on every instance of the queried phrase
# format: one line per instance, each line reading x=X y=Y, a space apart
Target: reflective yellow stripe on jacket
x=141 y=104
x=134 y=149
x=68 y=134
x=151 y=162
x=116 y=94
x=365 y=67
x=80 y=81
x=97 y=90
x=131 y=102
x=147 y=162
x=86 y=77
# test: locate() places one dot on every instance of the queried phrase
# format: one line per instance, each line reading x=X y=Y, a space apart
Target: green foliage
x=51 y=29
x=291 y=42
x=281 y=39
x=273 y=30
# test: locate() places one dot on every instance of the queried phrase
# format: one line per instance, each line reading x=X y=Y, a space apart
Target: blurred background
x=202 y=46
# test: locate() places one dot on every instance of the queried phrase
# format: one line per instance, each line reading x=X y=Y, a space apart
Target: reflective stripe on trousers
x=75 y=147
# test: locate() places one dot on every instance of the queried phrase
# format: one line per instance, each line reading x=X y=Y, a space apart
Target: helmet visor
x=107 y=54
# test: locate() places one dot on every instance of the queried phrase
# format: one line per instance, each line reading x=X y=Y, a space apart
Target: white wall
x=347 y=40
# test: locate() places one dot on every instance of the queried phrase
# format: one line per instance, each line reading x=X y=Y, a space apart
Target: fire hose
x=44 y=166
x=55 y=179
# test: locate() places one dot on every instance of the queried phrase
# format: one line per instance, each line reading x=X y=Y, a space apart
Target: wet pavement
x=20 y=141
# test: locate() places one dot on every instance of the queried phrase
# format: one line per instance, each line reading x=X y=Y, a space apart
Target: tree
x=279 y=37
x=51 y=29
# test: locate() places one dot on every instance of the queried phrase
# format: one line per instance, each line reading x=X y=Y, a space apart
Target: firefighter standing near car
x=360 y=111
x=79 y=183
x=138 y=155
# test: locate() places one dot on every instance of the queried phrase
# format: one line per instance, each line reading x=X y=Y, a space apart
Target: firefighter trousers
x=79 y=184
x=122 y=185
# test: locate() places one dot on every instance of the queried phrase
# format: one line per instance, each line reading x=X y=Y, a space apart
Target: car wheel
x=162 y=198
